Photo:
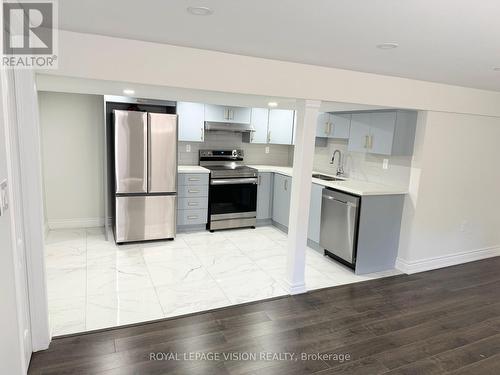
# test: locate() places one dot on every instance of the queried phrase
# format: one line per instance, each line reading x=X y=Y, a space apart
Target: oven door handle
x=234 y=181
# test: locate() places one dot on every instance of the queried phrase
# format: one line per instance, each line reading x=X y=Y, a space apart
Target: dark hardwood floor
x=439 y=322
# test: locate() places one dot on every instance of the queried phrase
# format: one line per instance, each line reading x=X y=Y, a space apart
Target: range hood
x=228 y=127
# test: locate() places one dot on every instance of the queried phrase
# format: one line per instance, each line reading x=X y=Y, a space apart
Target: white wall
x=107 y=58
x=72 y=146
x=451 y=215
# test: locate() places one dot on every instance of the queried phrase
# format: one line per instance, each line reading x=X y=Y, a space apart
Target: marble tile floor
x=95 y=284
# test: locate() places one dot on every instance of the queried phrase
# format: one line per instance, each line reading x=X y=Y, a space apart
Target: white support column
x=307 y=114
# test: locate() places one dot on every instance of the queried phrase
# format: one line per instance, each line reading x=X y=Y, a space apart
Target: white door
x=281 y=126
x=191 y=121
x=260 y=117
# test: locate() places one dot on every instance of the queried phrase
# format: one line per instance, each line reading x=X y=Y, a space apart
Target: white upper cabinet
x=280 y=128
x=191 y=121
x=219 y=113
x=383 y=132
x=331 y=125
x=260 y=119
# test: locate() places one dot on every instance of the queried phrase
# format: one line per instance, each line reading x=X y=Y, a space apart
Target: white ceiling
x=450 y=41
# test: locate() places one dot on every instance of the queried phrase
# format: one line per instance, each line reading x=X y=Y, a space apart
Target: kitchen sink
x=326 y=178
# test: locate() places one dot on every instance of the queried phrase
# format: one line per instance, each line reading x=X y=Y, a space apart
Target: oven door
x=232 y=198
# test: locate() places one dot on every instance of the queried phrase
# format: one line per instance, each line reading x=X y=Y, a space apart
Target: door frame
x=29 y=165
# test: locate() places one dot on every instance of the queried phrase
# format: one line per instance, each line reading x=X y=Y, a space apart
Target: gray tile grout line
x=210 y=274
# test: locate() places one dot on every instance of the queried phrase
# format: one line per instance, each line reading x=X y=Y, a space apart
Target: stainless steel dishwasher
x=339 y=225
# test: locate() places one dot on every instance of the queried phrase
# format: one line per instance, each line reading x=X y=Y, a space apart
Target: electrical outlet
x=188 y=148
x=267 y=149
x=385 y=164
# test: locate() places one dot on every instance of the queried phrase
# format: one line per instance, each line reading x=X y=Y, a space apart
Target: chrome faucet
x=340 y=167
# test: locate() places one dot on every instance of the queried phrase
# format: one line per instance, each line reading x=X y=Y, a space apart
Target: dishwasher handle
x=350 y=204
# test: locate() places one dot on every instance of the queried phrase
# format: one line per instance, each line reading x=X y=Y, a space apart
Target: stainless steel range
x=232 y=193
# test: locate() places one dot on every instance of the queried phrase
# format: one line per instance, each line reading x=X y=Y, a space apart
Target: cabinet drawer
x=192 y=179
x=191 y=217
x=192 y=191
x=192 y=203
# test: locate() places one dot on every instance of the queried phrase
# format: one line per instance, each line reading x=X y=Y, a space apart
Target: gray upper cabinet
x=280 y=127
x=259 y=120
x=281 y=199
x=315 y=213
x=383 y=132
x=264 y=196
x=191 y=121
x=275 y=126
x=331 y=125
x=220 y=113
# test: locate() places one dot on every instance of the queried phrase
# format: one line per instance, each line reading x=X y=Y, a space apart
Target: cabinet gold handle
x=371 y=142
x=193 y=191
x=286 y=185
x=366 y=141
x=201 y=135
x=192 y=217
x=326 y=128
x=259 y=180
x=192 y=203
x=193 y=179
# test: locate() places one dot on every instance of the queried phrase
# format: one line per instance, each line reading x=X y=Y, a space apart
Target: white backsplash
x=364 y=167
x=254 y=153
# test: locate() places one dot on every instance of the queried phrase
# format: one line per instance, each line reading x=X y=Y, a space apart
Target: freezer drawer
x=142 y=218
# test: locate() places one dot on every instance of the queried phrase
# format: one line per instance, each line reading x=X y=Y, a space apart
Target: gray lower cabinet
x=265 y=196
x=281 y=199
x=192 y=201
x=315 y=213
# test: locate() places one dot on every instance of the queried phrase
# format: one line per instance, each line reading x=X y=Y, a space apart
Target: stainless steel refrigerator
x=145 y=163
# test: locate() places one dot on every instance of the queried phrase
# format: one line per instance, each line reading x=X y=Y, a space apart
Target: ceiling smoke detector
x=200 y=11
x=388 y=45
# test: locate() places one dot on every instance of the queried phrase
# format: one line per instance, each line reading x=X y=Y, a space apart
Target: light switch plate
x=267 y=149
x=4 y=202
x=188 y=148
x=385 y=164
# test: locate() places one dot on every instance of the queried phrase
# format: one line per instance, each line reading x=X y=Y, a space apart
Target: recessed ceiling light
x=200 y=11
x=128 y=92
x=388 y=45
x=272 y=104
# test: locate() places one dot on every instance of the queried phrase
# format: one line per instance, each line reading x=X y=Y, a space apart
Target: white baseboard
x=446 y=260
x=76 y=223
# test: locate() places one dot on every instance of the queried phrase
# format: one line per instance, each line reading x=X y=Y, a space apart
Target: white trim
x=31 y=183
x=446 y=260
x=90 y=222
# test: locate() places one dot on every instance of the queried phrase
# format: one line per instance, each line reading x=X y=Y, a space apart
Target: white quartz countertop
x=191 y=169
x=349 y=186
